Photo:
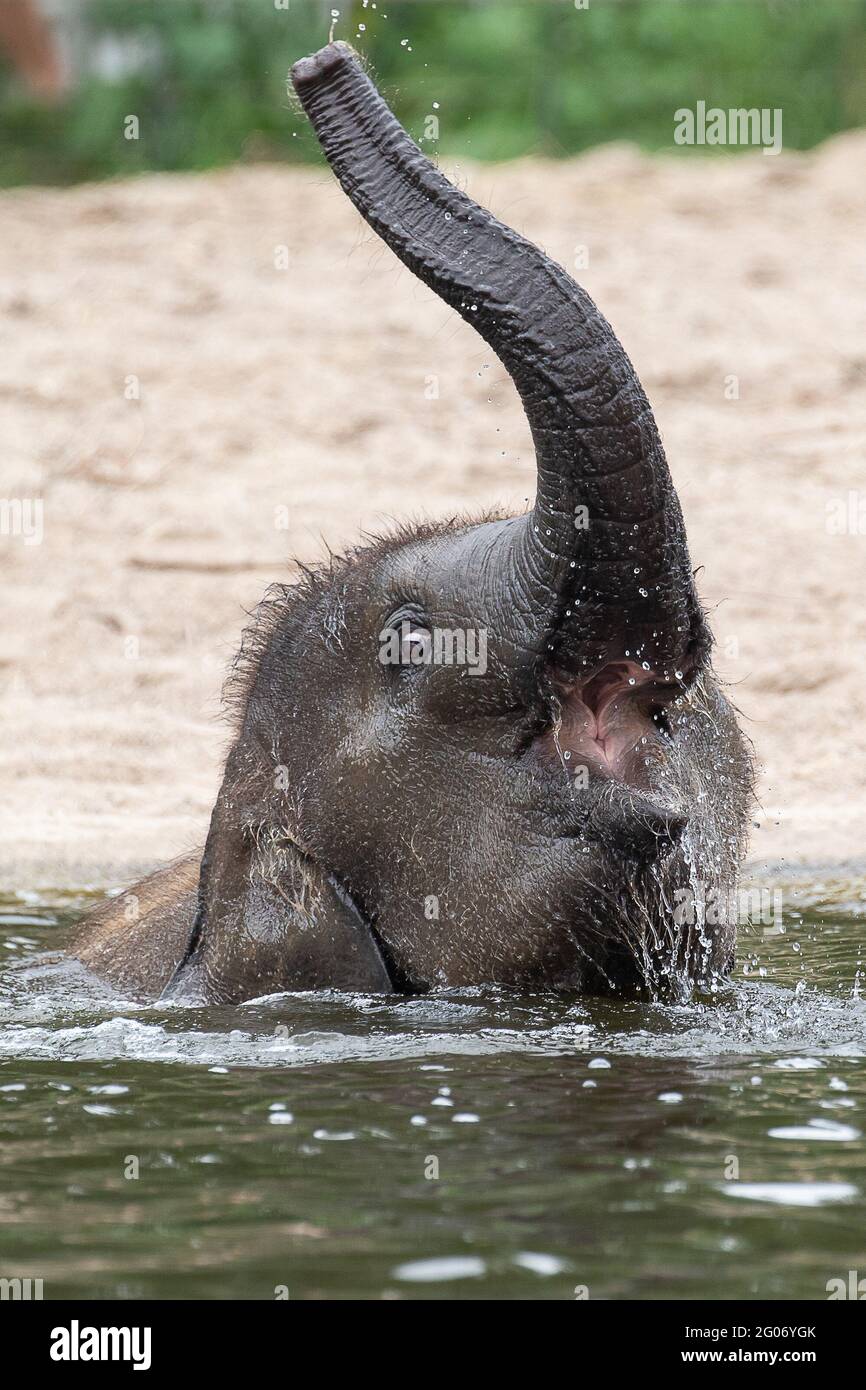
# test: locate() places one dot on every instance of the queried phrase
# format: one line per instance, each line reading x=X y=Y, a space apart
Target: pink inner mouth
x=606 y=722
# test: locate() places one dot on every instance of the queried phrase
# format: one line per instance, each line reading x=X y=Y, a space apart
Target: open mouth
x=614 y=723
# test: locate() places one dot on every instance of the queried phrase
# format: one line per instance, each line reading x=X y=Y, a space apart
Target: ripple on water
x=627 y=1149
x=52 y=1010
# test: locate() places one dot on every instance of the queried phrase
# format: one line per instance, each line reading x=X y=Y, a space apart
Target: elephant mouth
x=613 y=724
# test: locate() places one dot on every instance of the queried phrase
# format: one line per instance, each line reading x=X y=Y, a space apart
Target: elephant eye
x=405 y=641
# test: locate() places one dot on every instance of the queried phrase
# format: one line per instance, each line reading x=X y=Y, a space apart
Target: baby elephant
x=488 y=751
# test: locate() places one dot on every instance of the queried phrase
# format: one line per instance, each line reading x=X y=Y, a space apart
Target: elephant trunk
x=603 y=553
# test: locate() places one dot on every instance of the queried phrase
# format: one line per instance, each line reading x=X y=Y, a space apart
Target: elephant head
x=481 y=750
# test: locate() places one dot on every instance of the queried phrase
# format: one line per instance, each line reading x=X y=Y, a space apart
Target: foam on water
x=52 y=1009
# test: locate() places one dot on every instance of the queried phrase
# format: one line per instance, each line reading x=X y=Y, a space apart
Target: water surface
x=471 y=1143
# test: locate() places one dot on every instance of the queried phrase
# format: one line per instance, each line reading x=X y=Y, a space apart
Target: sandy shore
x=192 y=415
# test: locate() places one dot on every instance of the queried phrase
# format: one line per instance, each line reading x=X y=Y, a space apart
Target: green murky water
x=468 y=1144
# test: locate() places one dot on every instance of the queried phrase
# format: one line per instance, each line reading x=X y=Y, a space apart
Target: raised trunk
x=604 y=547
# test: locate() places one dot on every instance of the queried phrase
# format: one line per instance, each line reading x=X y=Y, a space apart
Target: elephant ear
x=270 y=919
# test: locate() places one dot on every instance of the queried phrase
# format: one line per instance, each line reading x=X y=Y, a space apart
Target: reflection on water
x=471 y=1143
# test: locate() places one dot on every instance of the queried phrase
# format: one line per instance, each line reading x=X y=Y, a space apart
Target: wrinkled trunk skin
x=626 y=580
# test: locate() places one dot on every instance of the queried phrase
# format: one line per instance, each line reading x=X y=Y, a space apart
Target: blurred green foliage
x=206 y=78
